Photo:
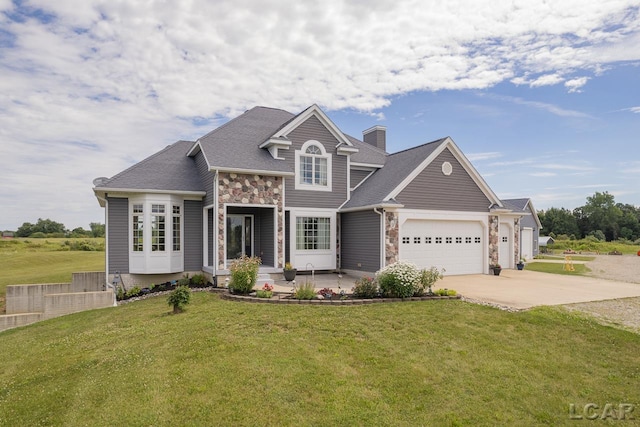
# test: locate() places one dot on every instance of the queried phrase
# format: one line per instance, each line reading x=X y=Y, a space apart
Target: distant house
x=529 y=226
x=546 y=240
x=295 y=188
x=7 y=235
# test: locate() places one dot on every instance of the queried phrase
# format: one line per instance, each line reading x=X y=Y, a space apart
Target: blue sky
x=543 y=97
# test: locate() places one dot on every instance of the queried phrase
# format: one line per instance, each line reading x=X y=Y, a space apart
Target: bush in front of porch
x=244 y=273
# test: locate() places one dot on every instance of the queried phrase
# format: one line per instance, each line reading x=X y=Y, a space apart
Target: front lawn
x=26 y=261
x=229 y=363
x=557 y=268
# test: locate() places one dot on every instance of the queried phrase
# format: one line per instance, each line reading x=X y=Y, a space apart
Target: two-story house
x=295 y=188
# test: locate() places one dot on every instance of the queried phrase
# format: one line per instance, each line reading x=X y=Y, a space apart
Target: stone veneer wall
x=250 y=190
x=494 y=239
x=391 y=237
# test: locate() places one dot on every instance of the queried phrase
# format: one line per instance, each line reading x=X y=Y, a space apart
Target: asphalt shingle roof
x=367 y=153
x=519 y=205
x=397 y=167
x=169 y=169
x=234 y=145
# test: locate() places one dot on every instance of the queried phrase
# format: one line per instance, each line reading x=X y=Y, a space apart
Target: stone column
x=494 y=239
x=391 y=238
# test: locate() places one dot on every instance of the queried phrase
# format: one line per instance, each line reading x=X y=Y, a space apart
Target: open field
x=228 y=363
x=25 y=261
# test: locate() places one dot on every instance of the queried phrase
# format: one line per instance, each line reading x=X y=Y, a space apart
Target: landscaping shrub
x=398 y=280
x=179 y=298
x=133 y=292
x=427 y=279
x=244 y=273
x=305 y=291
x=446 y=292
x=184 y=281
x=199 y=280
x=366 y=287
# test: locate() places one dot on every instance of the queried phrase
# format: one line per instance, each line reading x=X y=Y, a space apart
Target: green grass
x=26 y=261
x=561 y=257
x=228 y=363
x=586 y=245
x=557 y=268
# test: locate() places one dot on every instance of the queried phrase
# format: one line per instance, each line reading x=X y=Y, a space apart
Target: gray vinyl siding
x=206 y=176
x=360 y=241
x=529 y=221
x=431 y=189
x=192 y=235
x=312 y=128
x=357 y=176
x=118 y=235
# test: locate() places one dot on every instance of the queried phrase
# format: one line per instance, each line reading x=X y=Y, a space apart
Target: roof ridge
x=419 y=146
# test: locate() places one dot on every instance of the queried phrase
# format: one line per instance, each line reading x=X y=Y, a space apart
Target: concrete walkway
x=526 y=289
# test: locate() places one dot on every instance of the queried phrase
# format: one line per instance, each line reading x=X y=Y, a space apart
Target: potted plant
x=496 y=269
x=520 y=264
x=289 y=272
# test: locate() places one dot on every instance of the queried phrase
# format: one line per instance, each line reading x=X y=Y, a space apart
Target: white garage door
x=456 y=246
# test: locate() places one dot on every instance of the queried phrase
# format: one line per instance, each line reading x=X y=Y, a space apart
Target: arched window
x=313 y=167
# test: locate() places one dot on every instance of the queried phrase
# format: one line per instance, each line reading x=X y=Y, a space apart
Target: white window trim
x=302 y=152
x=156 y=262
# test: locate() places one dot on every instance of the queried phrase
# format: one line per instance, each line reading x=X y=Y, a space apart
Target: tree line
x=49 y=228
x=601 y=217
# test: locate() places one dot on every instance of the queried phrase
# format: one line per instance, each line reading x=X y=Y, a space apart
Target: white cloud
x=546 y=80
x=574 y=85
x=477 y=157
x=127 y=78
x=635 y=110
x=543 y=174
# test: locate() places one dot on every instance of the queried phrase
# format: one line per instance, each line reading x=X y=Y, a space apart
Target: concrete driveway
x=526 y=289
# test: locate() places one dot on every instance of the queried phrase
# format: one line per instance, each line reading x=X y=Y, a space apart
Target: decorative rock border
x=278 y=299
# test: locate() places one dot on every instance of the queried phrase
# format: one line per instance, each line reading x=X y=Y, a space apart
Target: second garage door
x=456 y=246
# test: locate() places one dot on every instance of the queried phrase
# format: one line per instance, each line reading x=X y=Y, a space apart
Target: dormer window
x=313 y=167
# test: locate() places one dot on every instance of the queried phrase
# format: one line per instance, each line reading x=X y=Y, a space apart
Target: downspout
x=383 y=238
x=106 y=249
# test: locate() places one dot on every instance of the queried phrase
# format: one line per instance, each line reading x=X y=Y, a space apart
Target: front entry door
x=239 y=236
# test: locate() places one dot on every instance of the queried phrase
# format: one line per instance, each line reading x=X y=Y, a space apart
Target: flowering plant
x=399 y=279
x=265 y=292
x=326 y=293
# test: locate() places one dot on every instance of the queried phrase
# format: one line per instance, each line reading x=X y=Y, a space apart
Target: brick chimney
x=376 y=136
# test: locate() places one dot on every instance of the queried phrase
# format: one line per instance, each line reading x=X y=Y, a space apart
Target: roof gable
x=313 y=110
x=447 y=143
x=403 y=167
x=523 y=205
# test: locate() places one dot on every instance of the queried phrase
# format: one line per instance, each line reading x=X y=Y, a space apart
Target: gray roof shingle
x=169 y=169
x=367 y=153
x=234 y=145
x=517 y=205
x=397 y=167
